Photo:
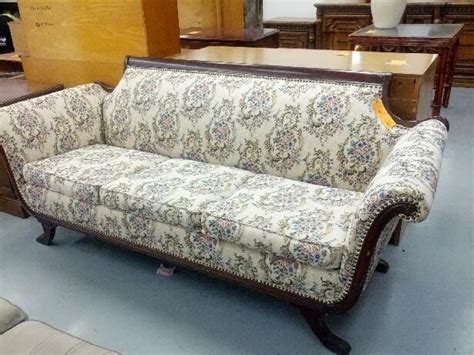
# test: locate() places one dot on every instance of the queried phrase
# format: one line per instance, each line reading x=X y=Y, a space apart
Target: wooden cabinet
x=80 y=41
x=8 y=200
x=294 y=32
x=337 y=21
x=465 y=62
x=338 y=28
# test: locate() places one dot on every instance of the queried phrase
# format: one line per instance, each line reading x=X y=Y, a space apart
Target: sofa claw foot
x=382 y=267
x=319 y=327
x=49 y=231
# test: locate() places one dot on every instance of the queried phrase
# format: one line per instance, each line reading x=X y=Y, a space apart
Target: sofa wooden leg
x=317 y=322
x=382 y=266
x=49 y=230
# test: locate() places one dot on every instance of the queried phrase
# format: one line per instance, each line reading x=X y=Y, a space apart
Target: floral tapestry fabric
x=409 y=175
x=80 y=173
x=321 y=132
x=49 y=125
x=175 y=192
x=266 y=268
x=271 y=179
x=292 y=219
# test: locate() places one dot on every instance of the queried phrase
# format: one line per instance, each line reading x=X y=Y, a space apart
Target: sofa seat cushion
x=80 y=173
x=301 y=221
x=10 y=315
x=175 y=192
x=35 y=337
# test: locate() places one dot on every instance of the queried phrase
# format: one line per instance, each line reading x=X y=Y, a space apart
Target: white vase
x=387 y=13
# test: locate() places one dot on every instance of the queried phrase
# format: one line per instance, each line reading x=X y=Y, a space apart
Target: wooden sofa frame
x=314 y=313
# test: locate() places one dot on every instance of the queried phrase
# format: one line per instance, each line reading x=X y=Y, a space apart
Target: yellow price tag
x=382 y=114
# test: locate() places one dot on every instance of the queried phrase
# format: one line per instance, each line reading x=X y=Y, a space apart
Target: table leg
x=450 y=74
x=440 y=81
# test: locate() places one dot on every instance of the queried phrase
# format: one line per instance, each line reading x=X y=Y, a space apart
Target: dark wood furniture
x=10 y=64
x=338 y=21
x=294 y=32
x=11 y=91
x=430 y=38
x=251 y=37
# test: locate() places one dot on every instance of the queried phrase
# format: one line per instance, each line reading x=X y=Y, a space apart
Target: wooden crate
x=73 y=42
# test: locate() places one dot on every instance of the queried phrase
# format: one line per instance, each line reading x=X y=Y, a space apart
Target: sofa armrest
x=403 y=187
x=49 y=125
x=409 y=175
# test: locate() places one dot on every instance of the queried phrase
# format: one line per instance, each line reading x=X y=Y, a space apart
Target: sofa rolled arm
x=403 y=187
x=49 y=125
x=409 y=175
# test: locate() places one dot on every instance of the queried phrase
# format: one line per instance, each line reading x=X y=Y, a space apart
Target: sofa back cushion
x=317 y=131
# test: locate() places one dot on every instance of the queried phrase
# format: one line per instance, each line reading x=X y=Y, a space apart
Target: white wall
x=296 y=8
x=288 y=8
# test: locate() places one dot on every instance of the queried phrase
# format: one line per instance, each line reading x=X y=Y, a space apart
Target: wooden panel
x=211 y=14
x=4 y=181
x=8 y=202
x=161 y=28
x=71 y=72
x=293 y=40
x=232 y=13
x=294 y=32
x=337 y=29
x=82 y=36
x=95 y=30
x=13 y=207
x=197 y=13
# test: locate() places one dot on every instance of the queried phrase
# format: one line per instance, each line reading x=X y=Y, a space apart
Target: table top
x=10 y=57
x=381 y=62
x=227 y=35
x=12 y=89
x=411 y=31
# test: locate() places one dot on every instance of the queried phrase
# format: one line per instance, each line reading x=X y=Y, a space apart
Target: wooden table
x=11 y=91
x=196 y=38
x=338 y=20
x=410 y=90
x=433 y=38
x=295 y=32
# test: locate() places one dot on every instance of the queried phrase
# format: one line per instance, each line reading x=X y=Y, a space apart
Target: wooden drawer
x=466 y=53
x=293 y=40
x=338 y=28
x=294 y=32
x=335 y=23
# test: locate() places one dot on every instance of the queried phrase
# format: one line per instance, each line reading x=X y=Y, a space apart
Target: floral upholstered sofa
x=289 y=181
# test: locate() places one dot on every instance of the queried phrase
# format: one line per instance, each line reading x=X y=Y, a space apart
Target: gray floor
x=424 y=305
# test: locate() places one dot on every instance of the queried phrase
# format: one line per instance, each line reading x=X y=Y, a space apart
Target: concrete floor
x=424 y=305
